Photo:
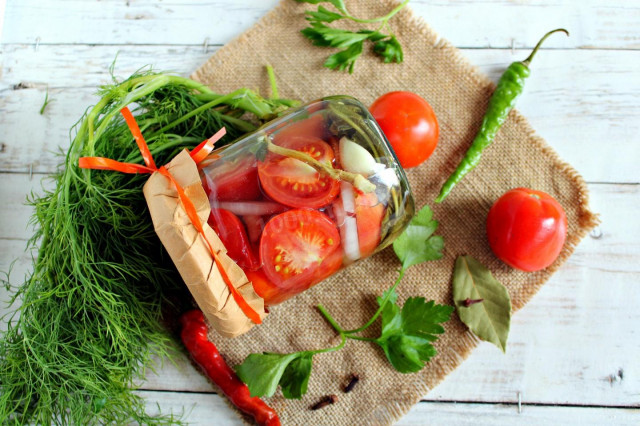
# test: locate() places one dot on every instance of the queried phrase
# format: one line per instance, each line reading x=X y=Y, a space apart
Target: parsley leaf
x=263 y=372
x=339 y=4
x=321 y=35
x=407 y=334
x=295 y=379
x=323 y=15
x=389 y=49
x=384 y=45
x=345 y=59
x=417 y=243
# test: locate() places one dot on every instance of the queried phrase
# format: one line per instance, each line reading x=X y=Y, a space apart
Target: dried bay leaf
x=491 y=318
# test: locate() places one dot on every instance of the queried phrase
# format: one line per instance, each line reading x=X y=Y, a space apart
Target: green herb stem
x=272 y=82
x=205 y=107
x=330 y=319
x=366 y=339
x=343 y=341
x=380 y=309
x=383 y=19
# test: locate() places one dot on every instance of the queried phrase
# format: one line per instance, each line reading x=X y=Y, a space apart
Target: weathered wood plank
x=571 y=99
x=566 y=347
x=466 y=24
x=207 y=409
x=497 y=414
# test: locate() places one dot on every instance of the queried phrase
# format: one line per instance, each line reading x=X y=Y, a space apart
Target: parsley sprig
x=406 y=336
x=352 y=43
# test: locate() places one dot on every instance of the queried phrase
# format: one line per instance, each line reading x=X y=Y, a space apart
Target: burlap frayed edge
x=450 y=358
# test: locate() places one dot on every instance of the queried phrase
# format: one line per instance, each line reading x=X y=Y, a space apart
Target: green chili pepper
x=501 y=103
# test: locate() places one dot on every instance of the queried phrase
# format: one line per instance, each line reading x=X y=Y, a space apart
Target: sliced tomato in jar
x=314 y=126
x=271 y=293
x=294 y=183
x=369 y=214
x=299 y=248
x=234 y=237
x=232 y=180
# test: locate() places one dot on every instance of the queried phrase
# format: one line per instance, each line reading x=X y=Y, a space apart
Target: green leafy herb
x=345 y=59
x=483 y=304
x=321 y=35
x=407 y=332
x=265 y=371
x=352 y=42
x=417 y=243
x=295 y=379
x=92 y=310
x=323 y=15
x=389 y=49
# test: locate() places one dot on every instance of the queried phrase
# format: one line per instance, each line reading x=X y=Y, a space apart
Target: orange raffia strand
x=201 y=151
x=100 y=163
x=198 y=154
x=137 y=135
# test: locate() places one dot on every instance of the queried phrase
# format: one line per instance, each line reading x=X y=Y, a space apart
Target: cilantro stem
x=366 y=339
x=331 y=349
x=382 y=305
x=330 y=319
x=382 y=19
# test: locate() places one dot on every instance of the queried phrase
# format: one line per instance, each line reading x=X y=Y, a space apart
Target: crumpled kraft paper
x=189 y=251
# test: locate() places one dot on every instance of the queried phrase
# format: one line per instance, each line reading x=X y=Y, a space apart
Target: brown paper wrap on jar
x=190 y=253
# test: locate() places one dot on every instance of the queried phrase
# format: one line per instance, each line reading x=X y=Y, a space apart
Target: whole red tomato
x=526 y=229
x=409 y=124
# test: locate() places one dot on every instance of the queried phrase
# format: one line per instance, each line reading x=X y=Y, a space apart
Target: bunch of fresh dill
x=91 y=312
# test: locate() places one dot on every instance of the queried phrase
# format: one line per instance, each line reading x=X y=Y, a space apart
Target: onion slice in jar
x=251 y=208
x=344 y=210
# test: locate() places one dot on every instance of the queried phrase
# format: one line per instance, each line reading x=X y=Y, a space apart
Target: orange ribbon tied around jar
x=197 y=154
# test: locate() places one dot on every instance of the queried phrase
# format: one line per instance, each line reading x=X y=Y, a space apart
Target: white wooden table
x=574 y=351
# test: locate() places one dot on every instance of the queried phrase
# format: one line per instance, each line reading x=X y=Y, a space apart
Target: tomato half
x=410 y=125
x=526 y=229
x=314 y=126
x=234 y=237
x=266 y=289
x=294 y=183
x=299 y=248
x=232 y=180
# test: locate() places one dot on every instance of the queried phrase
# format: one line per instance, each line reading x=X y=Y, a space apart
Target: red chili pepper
x=206 y=355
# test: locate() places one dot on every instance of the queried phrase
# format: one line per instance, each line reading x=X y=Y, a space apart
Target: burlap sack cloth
x=459 y=94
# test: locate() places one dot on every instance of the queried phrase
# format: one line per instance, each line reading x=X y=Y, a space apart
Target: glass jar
x=306 y=195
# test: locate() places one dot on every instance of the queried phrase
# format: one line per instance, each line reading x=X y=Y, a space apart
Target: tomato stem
x=357 y=180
